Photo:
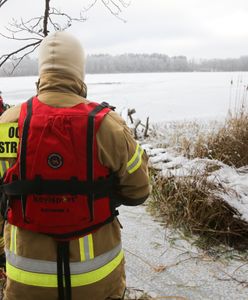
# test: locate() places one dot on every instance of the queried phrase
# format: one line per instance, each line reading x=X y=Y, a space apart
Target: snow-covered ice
x=176 y=268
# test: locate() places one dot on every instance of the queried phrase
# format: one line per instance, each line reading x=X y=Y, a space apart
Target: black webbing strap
x=90 y=154
x=63 y=270
x=39 y=186
x=83 y=231
x=23 y=152
x=67 y=270
x=60 y=272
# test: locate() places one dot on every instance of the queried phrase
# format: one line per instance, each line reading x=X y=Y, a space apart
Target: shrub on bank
x=229 y=144
x=195 y=203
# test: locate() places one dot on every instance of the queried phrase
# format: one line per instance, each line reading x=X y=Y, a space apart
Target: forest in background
x=135 y=63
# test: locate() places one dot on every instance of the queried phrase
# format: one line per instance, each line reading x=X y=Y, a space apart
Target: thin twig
x=85 y=9
x=2 y=2
x=22 y=57
x=231 y=277
x=5 y=57
x=18 y=39
x=116 y=14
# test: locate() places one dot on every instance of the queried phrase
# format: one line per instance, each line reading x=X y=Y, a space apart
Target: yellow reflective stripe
x=8 y=140
x=13 y=238
x=136 y=160
x=48 y=280
x=90 y=243
x=138 y=163
x=4 y=165
x=15 y=230
x=81 y=249
x=134 y=156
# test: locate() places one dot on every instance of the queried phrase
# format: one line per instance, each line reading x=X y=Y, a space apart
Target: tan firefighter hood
x=61 y=66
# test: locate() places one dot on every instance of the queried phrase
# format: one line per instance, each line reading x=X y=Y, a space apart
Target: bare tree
x=32 y=31
x=2 y=2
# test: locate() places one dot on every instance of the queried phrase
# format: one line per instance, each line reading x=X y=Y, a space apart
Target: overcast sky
x=195 y=28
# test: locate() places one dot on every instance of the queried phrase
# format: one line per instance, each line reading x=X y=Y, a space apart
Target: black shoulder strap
x=23 y=151
x=90 y=148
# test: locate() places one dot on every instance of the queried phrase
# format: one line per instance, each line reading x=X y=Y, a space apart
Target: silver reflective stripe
x=48 y=267
x=86 y=248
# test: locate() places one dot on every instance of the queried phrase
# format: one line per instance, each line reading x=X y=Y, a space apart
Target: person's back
x=34 y=259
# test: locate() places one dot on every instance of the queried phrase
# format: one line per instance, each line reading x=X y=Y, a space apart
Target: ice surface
x=175 y=269
x=161 y=96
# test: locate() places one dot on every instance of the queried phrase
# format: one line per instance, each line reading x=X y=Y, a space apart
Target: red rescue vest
x=58 y=185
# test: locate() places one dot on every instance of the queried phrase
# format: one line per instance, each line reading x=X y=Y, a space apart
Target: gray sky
x=195 y=28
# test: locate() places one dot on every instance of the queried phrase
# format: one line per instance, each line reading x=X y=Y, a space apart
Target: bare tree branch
x=114 y=7
x=69 y=19
x=18 y=39
x=35 y=29
x=26 y=27
x=46 y=17
x=19 y=59
x=124 y=3
x=2 y=2
x=6 y=57
x=85 y=9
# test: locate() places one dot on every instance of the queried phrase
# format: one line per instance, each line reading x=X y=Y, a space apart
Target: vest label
x=9 y=140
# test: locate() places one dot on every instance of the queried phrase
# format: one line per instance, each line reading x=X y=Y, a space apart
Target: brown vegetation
x=229 y=144
x=193 y=204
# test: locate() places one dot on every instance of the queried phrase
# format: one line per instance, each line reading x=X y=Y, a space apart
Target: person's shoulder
x=114 y=119
x=11 y=114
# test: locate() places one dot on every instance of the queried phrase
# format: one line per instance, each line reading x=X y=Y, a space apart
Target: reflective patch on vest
x=9 y=140
x=55 y=160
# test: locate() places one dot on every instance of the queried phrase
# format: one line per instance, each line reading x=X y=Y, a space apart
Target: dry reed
x=192 y=205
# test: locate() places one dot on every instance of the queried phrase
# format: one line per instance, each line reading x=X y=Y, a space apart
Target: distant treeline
x=131 y=63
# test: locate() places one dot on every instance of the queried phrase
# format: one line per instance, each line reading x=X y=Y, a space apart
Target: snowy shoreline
x=234 y=179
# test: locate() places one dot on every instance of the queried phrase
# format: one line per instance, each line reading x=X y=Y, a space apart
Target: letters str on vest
x=9 y=140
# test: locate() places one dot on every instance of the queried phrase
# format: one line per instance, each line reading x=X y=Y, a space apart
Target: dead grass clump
x=191 y=204
x=229 y=144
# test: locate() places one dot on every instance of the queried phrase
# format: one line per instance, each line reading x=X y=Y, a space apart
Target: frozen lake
x=161 y=96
